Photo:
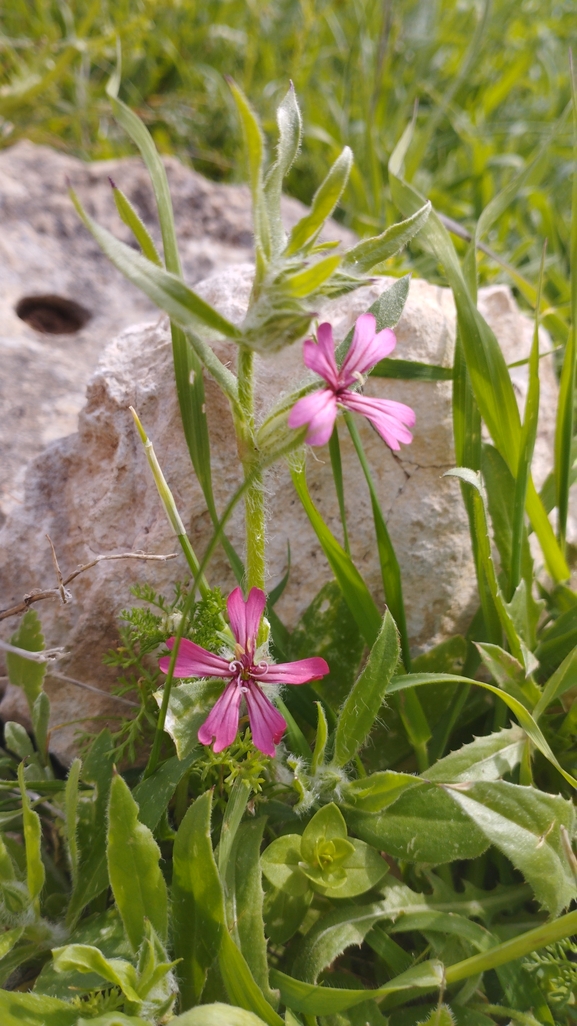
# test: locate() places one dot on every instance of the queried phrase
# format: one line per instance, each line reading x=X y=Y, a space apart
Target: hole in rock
x=52 y=315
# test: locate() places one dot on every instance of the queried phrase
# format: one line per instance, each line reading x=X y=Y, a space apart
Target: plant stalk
x=254 y=499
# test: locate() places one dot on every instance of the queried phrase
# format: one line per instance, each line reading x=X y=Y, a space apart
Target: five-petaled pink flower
x=244 y=676
x=319 y=410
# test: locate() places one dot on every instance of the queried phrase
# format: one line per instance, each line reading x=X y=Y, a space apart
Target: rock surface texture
x=46 y=251
x=93 y=494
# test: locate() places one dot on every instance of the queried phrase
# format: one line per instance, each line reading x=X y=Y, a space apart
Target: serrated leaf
x=440 y=1016
x=24 y=673
x=526 y=825
x=133 y=868
x=367 y=254
x=332 y=934
x=485 y=758
x=324 y=202
x=362 y=707
x=71 y=817
x=420 y=827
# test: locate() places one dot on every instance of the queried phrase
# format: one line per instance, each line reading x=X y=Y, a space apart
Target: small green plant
x=387 y=832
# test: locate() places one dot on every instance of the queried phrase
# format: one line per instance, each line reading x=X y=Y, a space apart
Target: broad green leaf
x=522 y=714
x=367 y=254
x=304 y=283
x=332 y=934
x=17 y=1009
x=188 y=707
x=485 y=758
x=154 y=793
x=244 y=901
x=71 y=817
x=324 y=202
x=135 y=876
x=198 y=922
x=93 y=871
x=103 y=930
x=84 y=958
x=240 y=984
x=353 y=587
x=289 y=121
x=315 y=1000
x=217 y=1014
x=526 y=825
x=280 y=864
x=364 y=868
x=326 y=825
x=35 y=872
x=379 y=790
x=564 y=678
x=362 y=707
x=24 y=673
x=421 y=826
x=131 y=219
x=284 y=913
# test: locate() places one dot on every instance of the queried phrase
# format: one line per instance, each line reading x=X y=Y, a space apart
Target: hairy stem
x=254 y=499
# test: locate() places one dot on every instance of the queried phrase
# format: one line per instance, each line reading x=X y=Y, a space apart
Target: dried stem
x=37 y=596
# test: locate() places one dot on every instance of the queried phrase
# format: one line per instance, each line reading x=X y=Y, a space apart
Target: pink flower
x=244 y=676
x=319 y=410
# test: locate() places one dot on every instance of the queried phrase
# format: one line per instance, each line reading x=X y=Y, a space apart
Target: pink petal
x=245 y=617
x=194 y=661
x=366 y=349
x=222 y=721
x=320 y=356
x=266 y=723
x=319 y=411
x=387 y=416
x=299 y=672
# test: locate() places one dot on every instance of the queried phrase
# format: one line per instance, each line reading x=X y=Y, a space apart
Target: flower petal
x=266 y=723
x=245 y=617
x=366 y=348
x=388 y=417
x=299 y=672
x=194 y=661
x=320 y=356
x=222 y=721
x=319 y=411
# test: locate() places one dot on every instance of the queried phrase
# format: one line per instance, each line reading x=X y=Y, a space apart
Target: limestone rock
x=92 y=491
x=46 y=251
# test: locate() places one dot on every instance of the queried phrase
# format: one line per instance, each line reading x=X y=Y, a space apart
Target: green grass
x=490 y=81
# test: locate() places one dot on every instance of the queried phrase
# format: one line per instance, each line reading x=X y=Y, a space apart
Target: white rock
x=93 y=493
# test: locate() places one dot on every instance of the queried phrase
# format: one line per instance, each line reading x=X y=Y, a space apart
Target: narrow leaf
x=131 y=219
x=364 y=702
x=71 y=817
x=367 y=254
x=324 y=202
x=35 y=873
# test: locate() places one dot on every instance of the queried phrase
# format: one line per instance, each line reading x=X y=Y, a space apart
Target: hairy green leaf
x=24 y=673
x=485 y=758
x=135 y=877
x=367 y=254
x=324 y=202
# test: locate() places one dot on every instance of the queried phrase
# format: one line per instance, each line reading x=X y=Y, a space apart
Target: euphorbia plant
x=232 y=883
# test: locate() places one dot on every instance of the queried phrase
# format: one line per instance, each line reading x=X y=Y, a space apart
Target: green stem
x=254 y=499
x=513 y=949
